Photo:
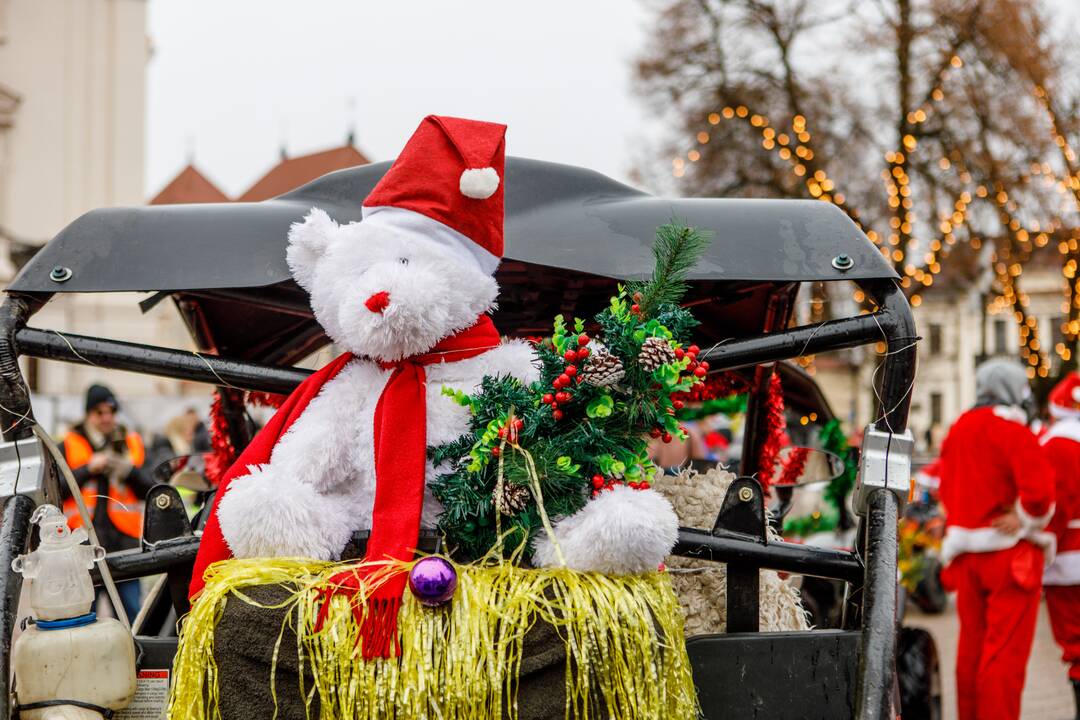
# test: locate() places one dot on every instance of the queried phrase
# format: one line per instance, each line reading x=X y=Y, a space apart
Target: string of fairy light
x=796 y=150
x=1068 y=248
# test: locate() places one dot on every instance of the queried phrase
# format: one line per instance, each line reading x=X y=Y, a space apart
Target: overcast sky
x=230 y=81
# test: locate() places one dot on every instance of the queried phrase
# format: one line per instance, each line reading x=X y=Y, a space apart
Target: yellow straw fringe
x=623 y=635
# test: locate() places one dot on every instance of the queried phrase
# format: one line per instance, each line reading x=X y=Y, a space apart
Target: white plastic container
x=79 y=657
x=94 y=663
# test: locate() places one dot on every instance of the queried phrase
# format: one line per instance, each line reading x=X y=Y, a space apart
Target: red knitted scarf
x=400 y=442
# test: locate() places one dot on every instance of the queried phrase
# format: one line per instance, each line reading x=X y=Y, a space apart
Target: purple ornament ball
x=433 y=581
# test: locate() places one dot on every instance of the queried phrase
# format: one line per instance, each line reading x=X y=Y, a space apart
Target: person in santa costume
x=1062 y=578
x=997 y=488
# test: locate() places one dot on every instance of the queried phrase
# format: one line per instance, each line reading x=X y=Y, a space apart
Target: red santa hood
x=1064 y=399
x=447 y=186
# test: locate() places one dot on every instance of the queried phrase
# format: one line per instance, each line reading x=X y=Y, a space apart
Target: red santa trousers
x=1063 y=603
x=998 y=603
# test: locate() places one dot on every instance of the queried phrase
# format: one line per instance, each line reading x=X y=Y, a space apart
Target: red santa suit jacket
x=992 y=463
x=1062 y=446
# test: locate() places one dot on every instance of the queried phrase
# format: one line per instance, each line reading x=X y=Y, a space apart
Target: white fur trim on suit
x=1058 y=412
x=1067 y=426
x=406 y=222
x=619 y=532
x=959 y=540
x=1011 y=413
x=479 y=183
x=1065 y=570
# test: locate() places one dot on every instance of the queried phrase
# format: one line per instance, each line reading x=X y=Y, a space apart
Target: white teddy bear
x=389 y=288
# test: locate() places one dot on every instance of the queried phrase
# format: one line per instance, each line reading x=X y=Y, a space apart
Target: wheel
x=918 y=675
x=930 y=594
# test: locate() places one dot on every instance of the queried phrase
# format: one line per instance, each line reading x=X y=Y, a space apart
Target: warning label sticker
x=151 y=697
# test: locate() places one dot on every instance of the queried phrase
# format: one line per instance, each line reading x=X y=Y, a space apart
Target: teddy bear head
x=382 y=293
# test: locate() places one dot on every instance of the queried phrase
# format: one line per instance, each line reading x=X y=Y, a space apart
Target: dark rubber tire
x=918 y=675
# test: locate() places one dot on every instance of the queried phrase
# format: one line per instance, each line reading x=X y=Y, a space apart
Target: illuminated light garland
x=794 y=149
x=897 y=183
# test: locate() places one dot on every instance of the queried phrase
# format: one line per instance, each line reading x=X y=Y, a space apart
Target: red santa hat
x=446 y=186
x=1064 y=399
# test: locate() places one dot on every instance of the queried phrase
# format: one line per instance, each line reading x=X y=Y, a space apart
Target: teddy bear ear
x=308 y=241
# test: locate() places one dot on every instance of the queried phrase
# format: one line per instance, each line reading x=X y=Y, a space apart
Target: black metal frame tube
x=15 y=408
x=164 y=555
x=877 y=535
x=798 y=341
x=179 y=364
x=877 y=641
x=786 y=557
x=14 y=539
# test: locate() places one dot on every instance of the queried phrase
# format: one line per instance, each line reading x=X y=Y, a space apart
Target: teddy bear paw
x=620 y=532
x=262 y=514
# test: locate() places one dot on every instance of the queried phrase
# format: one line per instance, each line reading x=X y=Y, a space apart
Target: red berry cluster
x=699 y=370
x=509 y=432
x=567 y=378
x=635 y=309
x=601 y=483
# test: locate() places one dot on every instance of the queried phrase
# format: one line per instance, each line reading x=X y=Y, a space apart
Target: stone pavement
x=1047 y=693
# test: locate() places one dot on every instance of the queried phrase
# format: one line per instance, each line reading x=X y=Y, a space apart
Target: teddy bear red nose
x=378 y=302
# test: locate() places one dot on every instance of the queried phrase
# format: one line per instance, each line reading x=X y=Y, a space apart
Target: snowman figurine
x=60 y=586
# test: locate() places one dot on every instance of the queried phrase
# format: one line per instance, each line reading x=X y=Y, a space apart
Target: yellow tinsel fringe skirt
x=625 y=654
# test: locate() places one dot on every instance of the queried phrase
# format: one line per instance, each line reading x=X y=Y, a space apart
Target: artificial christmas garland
x=541 y=450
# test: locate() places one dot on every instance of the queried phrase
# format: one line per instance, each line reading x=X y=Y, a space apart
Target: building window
x=936 y=410
x=935 y=339
x=1001 y=337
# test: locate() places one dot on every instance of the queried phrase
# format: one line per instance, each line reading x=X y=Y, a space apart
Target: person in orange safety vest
x=106 y=460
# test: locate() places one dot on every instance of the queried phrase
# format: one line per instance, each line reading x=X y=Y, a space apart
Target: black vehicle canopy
x=570 y=234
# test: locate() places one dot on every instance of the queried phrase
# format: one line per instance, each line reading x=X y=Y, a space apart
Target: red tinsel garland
x=223 y=453
x=794 y=465
x=775 y=430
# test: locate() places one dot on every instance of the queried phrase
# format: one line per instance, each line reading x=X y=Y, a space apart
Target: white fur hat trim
x=480 y=183
x=1076 y=394
x=409 y=224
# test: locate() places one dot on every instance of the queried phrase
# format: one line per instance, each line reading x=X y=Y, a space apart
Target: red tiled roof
x=291 y=173
x=190 y=186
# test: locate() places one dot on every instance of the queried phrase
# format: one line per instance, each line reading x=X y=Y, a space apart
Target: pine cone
x=513 y=499
x=655 y=351
x=603 y=369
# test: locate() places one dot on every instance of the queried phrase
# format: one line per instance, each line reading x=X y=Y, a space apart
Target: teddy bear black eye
x=403 y=261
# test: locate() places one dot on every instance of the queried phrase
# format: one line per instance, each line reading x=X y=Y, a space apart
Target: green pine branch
x=677 y=249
